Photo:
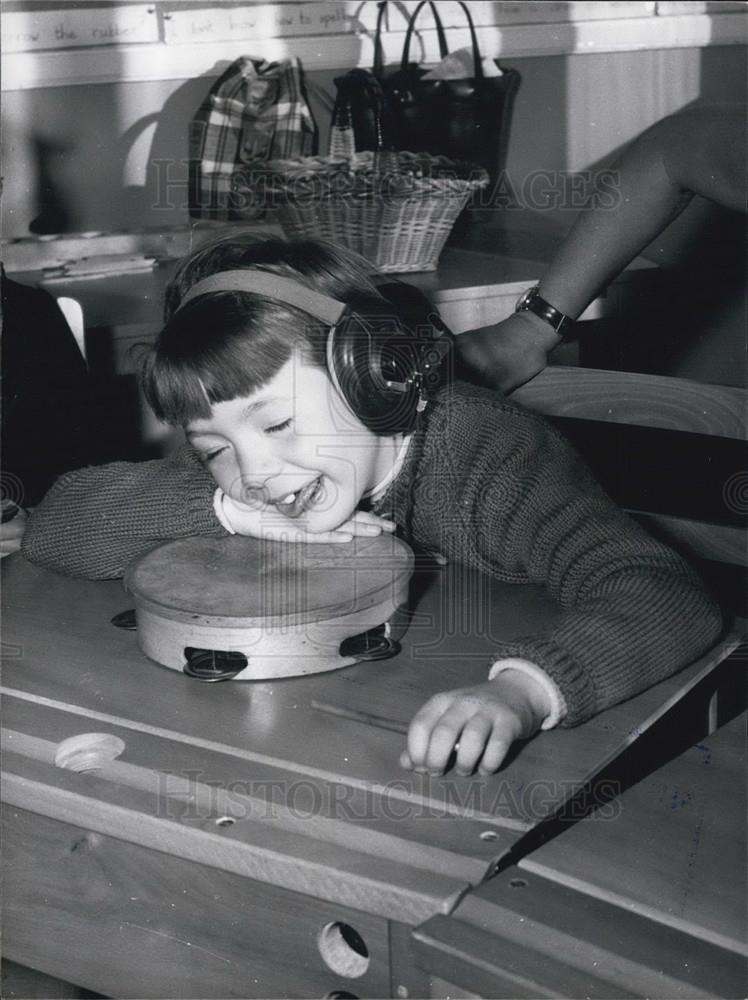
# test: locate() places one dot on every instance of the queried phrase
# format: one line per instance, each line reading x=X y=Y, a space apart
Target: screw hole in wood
x=343 y=949
x=88 y=752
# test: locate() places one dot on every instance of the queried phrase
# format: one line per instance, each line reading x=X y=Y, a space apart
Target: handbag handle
x=477 y=62
x=378 y=68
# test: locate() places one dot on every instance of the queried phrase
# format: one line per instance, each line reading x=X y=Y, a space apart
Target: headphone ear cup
x=388 y=356
x=374 y=364
x=424 y=325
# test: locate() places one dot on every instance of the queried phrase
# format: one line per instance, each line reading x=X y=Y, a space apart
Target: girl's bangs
x=180 y=390
x=203 y=357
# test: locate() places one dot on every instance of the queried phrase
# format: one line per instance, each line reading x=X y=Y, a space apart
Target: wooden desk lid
x=244 y=581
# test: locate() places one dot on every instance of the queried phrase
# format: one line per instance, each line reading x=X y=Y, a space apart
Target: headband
x=273 y=286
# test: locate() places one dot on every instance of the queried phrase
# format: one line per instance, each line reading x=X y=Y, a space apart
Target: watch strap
x=532 y=301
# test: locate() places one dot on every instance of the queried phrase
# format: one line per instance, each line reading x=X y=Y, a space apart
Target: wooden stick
x=394 y=725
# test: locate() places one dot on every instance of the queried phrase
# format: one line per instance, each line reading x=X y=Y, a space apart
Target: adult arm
x=698 y=151
x=693 y=152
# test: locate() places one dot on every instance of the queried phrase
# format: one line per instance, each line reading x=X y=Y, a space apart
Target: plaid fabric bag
x=256 y=110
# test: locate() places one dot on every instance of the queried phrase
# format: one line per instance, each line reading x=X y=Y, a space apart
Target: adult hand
x=264 y=523
x=480 y=723
x=507 y=354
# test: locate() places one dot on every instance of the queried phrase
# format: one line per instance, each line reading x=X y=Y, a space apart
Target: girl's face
x=293 y=448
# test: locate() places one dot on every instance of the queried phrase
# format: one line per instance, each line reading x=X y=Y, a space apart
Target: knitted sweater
x=486 y=484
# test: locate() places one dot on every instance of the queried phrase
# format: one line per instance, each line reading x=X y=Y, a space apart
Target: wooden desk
x=644 y=898
x=229 y=835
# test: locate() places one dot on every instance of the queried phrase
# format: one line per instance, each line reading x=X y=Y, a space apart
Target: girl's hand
x=246 y=520
x=11 y=532
x=480 y=723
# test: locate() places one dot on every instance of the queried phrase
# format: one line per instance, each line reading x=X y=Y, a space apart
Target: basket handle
x=342 y=140
x=477 y=62
x=378 y=69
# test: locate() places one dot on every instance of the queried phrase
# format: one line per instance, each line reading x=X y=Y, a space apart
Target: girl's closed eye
x=211 y=455
x=277 y=428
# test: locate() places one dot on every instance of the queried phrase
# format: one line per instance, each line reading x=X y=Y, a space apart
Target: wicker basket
x=396 y=209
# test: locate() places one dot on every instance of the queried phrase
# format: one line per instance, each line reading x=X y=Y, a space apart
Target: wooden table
x=646 y=897
x=229 y=839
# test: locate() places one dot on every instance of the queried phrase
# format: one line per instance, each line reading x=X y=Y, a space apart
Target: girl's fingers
x=312 y=538
x=264 y=524
x=464 y=727
x=363 y=529
x=365 y=523
x=444 y=736
x=359 y=526
x=472 y=743
x=12 y=531
x=367 y=515
x=494 y=753
x=421 y=728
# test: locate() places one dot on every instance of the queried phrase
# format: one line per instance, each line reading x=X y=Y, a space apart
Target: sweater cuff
x=573 y=680
x=557 y=700
x=220 y=511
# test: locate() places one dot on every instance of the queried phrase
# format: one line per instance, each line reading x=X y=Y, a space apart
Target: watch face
x=525 y=298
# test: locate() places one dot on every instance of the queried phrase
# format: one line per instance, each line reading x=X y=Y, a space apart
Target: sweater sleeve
x=93 y=522
x=633 y=611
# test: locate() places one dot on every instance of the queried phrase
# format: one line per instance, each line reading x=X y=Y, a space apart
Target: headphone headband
x=384 y=369
x=274 y=286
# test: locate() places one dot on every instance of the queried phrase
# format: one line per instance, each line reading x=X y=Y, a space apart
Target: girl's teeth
x=289 y=499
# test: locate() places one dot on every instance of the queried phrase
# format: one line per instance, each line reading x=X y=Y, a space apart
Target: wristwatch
x=533 y=302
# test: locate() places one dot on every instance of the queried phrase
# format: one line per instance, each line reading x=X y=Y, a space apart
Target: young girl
x=276 y=449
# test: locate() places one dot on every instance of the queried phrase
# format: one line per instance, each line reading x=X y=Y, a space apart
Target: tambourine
x=250 y=609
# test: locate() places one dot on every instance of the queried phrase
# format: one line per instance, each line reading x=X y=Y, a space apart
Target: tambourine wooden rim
x=286 y=609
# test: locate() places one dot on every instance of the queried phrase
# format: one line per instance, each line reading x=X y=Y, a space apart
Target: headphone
x=386 y=357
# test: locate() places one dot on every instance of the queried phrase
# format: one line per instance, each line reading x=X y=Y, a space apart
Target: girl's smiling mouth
x=295 y=504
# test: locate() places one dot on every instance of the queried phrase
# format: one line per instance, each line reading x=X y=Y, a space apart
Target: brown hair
x=222 y=345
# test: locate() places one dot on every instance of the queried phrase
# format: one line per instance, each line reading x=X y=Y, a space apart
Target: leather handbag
x=361 y=119
x=465 y=119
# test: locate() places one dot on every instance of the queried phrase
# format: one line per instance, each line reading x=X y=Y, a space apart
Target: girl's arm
x=94 y=521
x=510 y=497
x=504 y=492
x=634 y=611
